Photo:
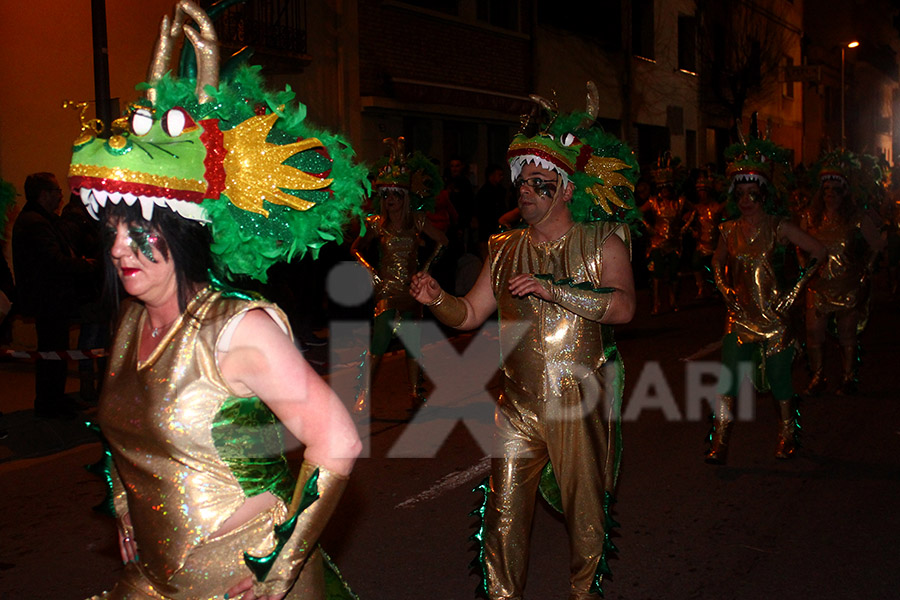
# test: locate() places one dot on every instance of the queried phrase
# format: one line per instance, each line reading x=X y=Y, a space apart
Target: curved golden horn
x=738 y=124
x=205 y=44
x=206 y=47
x=593 y=104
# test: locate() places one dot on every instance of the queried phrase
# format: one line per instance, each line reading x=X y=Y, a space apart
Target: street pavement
x=821 y=526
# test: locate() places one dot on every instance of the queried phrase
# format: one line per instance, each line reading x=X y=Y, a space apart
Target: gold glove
x=582 y=299
x=315 y=498
x=448 y=309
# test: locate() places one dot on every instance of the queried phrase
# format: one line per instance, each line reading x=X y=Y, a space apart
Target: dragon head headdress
x=759 y=160
x=414 y=173
x=227 y=153
x=602 y=168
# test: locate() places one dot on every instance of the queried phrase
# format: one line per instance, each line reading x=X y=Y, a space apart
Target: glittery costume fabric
x=397 y=263
x=837 y=285
x=666 y=231
x=555 y=367
x=749 y=271
x=707 y=215
x=182 y=463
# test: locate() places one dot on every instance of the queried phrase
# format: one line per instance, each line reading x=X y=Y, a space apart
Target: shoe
x=718 y=448
x=721 y=431
x=817 y=385
x=849 y=386
x=787 y=440
x=362 y=401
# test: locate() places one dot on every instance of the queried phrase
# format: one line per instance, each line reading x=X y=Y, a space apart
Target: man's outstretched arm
x=464 y=313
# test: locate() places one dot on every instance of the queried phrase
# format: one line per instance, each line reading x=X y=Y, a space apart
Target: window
x=499 y=13
x=642 y=34
x=687 y=43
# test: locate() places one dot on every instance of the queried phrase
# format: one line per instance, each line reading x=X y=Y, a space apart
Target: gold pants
x=214 y=566
x=529 y=432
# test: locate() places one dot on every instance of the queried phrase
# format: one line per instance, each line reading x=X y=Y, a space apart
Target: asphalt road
x=824 y=525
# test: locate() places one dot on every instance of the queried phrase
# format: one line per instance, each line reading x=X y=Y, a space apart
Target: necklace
x=155 y=332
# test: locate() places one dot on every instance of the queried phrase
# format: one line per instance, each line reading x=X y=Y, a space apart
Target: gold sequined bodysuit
x=555 y=365
x=707 y=216
x=838 y=284
x=187 y=453
x=750 y=273
x=666 y=229
x=398 y=262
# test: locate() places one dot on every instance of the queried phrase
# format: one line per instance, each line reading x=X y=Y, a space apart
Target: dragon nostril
x=118 y=145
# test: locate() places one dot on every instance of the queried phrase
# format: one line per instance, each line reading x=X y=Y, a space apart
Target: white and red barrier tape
x=59 y=355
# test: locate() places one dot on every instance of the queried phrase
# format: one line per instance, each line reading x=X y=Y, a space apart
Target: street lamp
x=844 y=47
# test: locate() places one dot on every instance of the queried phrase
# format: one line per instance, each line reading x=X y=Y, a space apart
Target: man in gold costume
x=746 y=272
x=558 y=285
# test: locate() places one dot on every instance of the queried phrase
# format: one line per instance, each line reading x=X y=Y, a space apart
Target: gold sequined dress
x=837 y=286
x=187 y=452
x=556 y=365
x=707 y=216
x=749 y=271
x=398 y=261
x=665 y=235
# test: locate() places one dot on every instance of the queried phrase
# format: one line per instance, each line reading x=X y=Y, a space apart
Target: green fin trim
x=227 y=291
x=568 y=281
x=336 y=588
x=103 y=469
x=609 y=548
x=549 y=488
x=478 y=564
x=261 y=565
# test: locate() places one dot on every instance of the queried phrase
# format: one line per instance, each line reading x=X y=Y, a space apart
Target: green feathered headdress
x=862 y=174
x=601 y=167
x=414 y=173
x=758 y=160
x=229 y=153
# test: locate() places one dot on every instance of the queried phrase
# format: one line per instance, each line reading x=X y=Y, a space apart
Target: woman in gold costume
x=744 y=267
x=665 y=220
x=402 y=186
x=839 y=287
x=704 y=219
x=203 y=378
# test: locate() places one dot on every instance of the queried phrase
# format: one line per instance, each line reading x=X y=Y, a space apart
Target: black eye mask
x=541 y=187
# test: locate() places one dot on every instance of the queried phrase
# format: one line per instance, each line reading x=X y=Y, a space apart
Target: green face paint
x=139 y=239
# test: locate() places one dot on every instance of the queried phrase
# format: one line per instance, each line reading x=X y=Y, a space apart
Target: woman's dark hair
x=817 y=207
x=186 y=242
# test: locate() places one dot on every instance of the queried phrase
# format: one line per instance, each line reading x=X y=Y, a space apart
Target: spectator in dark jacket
x=47 y=275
